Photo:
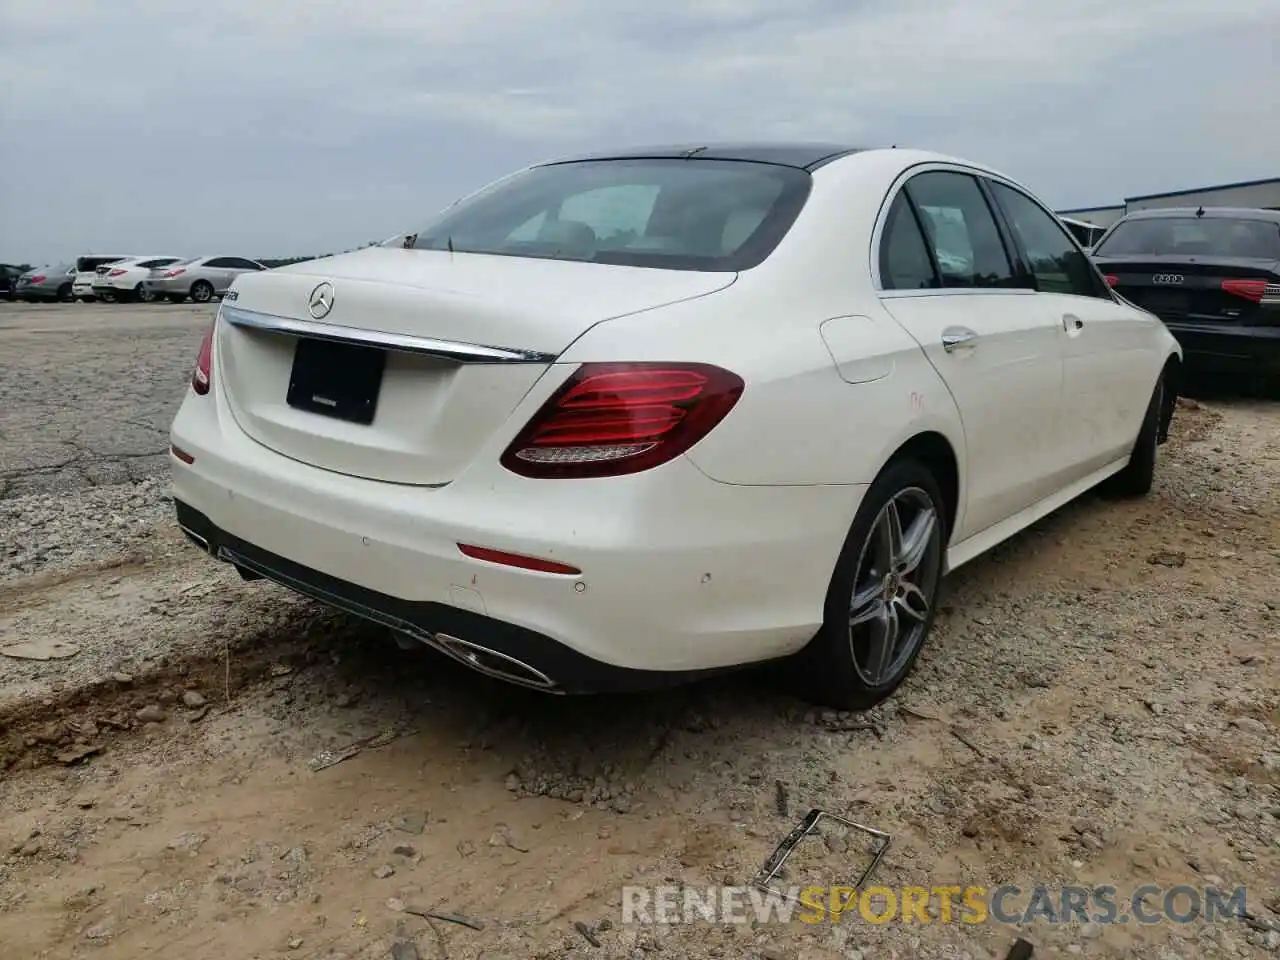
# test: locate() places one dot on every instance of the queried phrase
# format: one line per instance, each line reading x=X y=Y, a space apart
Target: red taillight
x=1253 y=290
x=204 y=364
x=173 y=273
x=611 y=419
x=1111 y=279
x=115 y=273
x=517 y=560
x=39 y=278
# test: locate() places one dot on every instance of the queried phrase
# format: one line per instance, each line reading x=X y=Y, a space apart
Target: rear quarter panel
x=800 y=420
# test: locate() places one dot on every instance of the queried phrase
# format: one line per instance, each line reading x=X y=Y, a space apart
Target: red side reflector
x=1112 y=279
x=1253 y=290
x=517 y=560
x=181 y=454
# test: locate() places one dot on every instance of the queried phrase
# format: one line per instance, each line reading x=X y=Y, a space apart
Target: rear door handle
x=956 y=337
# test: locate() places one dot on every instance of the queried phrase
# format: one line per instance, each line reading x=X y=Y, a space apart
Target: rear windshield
x=709 y=215
x=1207 y=236
x=89 y=264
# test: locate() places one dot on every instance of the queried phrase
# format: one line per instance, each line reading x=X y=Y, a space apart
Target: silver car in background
x=50 y=282
x=201 y=279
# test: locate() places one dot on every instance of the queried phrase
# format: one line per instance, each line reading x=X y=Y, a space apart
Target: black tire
x=201 y=291
x=832 y=670
x=1136 y=479
x=110 y=297
x=64 y=293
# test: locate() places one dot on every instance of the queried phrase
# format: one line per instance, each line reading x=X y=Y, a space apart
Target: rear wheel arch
x=1171 y=374
x=935 y=451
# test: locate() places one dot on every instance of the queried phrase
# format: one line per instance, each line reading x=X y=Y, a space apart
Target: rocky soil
x=209 y=768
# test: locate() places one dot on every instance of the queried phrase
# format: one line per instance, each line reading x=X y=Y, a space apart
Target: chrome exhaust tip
x=195 y=538
x=492 y=662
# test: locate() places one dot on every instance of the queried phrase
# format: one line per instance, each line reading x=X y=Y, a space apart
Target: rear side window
x=1057 y=264
x=159 y=262
x=1191 y=235
x=961 y=230
x=904 y=258
x=708 y=215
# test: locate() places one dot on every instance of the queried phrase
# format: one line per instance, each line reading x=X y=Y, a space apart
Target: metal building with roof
x=1246 y=193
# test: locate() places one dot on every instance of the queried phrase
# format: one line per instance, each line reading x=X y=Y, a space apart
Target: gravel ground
x=1100 y=704
x=87 y=391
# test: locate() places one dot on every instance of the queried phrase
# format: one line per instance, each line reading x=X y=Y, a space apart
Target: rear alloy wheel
x=142 y=294
x=201 y=291
x=884 y=593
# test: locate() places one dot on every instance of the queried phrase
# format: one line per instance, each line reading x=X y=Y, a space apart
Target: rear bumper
x=681 y=575
x=120 y=285
x=1247 y=351
x=512 y=653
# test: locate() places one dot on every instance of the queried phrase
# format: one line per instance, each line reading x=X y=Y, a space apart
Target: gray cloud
x=292 y=127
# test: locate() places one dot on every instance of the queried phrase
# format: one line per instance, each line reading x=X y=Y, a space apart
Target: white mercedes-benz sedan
x=630 y=418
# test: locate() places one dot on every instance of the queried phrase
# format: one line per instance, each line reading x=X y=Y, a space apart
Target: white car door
x=947 y=277
x=1109 y=367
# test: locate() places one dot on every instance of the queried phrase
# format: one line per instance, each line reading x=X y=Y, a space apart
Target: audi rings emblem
x=1167 y=279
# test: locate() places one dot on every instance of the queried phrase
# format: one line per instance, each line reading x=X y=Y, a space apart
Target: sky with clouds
x=286 y=127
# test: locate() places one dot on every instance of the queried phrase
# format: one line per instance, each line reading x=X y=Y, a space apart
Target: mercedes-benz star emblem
x=321 y=301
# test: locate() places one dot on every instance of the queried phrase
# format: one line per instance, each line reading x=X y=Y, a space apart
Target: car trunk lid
x=1200 y=289
x=415 y=358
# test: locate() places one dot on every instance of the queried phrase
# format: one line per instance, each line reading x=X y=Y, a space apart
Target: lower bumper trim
x=493 y=647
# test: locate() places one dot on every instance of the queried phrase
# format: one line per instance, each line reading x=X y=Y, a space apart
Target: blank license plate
x=1169 y=300
x=339 y=380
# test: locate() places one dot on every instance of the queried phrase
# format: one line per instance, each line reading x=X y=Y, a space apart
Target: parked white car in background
x=621 y=420
x=125 y=279
x=87 y=272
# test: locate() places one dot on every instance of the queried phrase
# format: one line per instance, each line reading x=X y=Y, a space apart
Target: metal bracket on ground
x=807 y=826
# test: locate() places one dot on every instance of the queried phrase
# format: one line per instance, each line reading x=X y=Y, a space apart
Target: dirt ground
x=1099 y=704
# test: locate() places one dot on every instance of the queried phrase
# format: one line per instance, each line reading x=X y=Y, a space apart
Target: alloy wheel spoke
x=868 y=604
x=913 y=603
x=882 y=644
x=916 y=540
x=891 y=532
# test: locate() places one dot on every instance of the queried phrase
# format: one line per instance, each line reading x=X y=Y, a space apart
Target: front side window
x=962 y=231
x=1057 y=264
x=709 y=215
x=1192 y=235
